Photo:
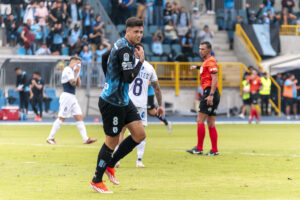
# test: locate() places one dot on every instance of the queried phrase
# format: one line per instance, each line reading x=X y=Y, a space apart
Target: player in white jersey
x=138 y=93
x=68 y=104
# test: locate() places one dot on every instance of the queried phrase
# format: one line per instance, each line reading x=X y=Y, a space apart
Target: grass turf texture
x=255 y=162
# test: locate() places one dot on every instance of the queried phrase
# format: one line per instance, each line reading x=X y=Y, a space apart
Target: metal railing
x=289 y=30
x=241 y=33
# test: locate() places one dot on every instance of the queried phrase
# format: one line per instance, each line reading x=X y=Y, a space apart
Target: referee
x=210 y=101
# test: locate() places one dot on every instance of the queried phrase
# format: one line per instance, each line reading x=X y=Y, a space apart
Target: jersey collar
x=127 y=42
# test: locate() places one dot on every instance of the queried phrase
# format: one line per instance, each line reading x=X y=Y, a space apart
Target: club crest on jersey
x=126 y=57
x=143 y=115
x=115 y=129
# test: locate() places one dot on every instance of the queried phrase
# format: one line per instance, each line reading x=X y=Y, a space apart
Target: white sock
x=82 y=130
x=141 y=150
x=55 y=128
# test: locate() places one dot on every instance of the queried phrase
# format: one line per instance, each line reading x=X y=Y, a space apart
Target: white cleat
x=139 y=164
x=51 y=141
x=169 y=127
x=241 y=116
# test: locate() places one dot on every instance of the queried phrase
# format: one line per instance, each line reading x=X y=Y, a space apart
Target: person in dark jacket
x=253 y=16
x=23 y=89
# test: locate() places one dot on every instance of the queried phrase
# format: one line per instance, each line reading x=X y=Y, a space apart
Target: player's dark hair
x=208 y=45
x=36 y=73
x=17 y=68
x=133 y=22
x=75 y=58
x=139 y=44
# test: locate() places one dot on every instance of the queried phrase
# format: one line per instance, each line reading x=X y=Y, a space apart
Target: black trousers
x=24 y=97
x=37 y=100
x=264 y=104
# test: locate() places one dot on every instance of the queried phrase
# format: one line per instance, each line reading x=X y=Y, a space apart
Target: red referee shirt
x=254 y=83
x=208 y=67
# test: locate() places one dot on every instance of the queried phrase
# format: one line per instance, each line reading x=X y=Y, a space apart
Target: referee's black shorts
x=254 y=98
x=210 y=110
x=116 y=117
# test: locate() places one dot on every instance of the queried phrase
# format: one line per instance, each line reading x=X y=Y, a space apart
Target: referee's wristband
x=198 y=67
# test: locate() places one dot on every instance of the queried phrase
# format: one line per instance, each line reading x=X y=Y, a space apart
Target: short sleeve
x=153 y=75
x=212 y=67
x=68 y=74
x=126 y=58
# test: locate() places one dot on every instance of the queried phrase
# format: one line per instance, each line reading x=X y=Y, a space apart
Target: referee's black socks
x=104 y=158
x=125 y=148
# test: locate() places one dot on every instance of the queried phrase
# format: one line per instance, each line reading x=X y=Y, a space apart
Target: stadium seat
x=13 y=97
x=121 y=28
x=166 y=48
x=21 y=51
x=155 y=59
x=164 y=59
x=109 y=28
x=54 y=103
x=147 y=39
x=147 y=50
x=153 y=29
x=190 y=59
x=177 y=48
x=197 y=59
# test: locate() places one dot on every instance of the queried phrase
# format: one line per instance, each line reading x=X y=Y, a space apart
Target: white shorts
x=68 y=105
x=143 y=115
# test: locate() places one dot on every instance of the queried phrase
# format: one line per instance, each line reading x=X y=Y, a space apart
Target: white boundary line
x=155 y=123
x=83 y=146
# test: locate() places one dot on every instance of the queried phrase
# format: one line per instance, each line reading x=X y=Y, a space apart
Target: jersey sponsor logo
x=126 y=57
x=213 y=69
x=127 y=65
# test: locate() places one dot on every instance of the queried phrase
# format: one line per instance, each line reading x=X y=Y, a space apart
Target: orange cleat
x=99 y=187
x=110 y=172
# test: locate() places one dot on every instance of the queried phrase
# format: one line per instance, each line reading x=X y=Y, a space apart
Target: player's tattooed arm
x=157 y=91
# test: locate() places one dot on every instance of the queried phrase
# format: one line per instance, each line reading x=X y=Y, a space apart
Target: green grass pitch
x=255 y=162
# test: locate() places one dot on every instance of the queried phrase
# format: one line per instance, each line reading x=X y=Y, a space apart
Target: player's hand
x=139 y=52
x=31 y=95
x=78 y=66
x=193 y=67
x=33 y=81
x=160 y=111
x=209 y=100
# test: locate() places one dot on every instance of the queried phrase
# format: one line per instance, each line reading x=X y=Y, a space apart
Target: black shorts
x=116 y=117
x=206 y=109
x=150 y=104
x=290 y=101
x=247 y=101
x=254 y=98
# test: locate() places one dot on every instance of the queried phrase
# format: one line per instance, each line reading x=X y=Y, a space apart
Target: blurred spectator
x=265 y=93
x=41 y=13
x=74 y=40
x=168 y=12
x=229 y=13
x=84 y=41
x=183 y=22
x=289 y=4
x=73 y=12
x=290 y=95
x=124 y=8
x=265 y=19
x=43 y=50
x=170 y=33
x=157 y=43
x=28 y=37
x=58 y=15
x=208 y=5
x=253 y=17
x=268 y=5
x=175 y=12
x=5 y=7
x=86 y=55
x=23 y=89
x=195 y=23
x=98 y=24
x=159 y=6
x=187 y=45
x=38 y=35
x=206 y=35
x=17 y=8
x=141 y=9
x=56 y=35
x=103 y=47
x=30 y=12
x=87 y=19
x=11 y=30
x=285 y=17
x=149 y=12
x=96 y=39
x=245 y=95
x=36 y=95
